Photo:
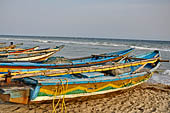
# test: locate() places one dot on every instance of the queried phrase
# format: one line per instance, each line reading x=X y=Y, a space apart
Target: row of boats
x=32 y=75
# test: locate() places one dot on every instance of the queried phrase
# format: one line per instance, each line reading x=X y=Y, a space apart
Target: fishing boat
x=99 y=68
x=134 y=71
x=15 y=50
x=2 y=43
x=29 y=58
x=24 y=50
x=72 y=63
x=36 y=56
x=37 y=51
x=12 y=46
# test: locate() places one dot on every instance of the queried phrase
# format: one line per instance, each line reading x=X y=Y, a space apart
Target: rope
x=60 y=91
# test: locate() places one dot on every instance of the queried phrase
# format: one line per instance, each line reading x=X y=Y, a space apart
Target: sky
x=123 y=19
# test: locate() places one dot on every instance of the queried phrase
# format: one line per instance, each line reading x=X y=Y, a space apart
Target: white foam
x=41 y=41
x=166 y=72
x=16 y=39
x=163 y=78
x=157 y=78
x=148 y=48
x=89 y=43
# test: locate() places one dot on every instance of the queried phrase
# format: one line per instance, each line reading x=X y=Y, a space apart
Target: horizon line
x=45 y=36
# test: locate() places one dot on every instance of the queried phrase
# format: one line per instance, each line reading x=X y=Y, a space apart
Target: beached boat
x=2 y=43
x=44 y=88
x=24 y=50
x=10 y=46
x=123 y=63
x=72 y=63
x=29 y=58
x=17 y=50
x=37 y=51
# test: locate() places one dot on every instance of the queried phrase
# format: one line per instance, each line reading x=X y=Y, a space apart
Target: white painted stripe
x=32 y=58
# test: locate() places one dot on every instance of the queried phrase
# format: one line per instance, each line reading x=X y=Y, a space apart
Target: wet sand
x=146 y=98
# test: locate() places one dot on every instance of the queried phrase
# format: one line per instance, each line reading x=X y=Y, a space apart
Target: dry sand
x=146 y=98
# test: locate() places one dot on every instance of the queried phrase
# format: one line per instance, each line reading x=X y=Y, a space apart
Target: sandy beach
x=146 y=98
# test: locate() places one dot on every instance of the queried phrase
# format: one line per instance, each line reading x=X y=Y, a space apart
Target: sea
x=79 y=47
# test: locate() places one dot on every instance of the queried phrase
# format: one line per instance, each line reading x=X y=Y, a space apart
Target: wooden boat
x=43 y=88
x=18 y=50
x=37 y=51
x=2 y=43
x=88 y=61
x=29 y=58
x=99 y=68
x=24 y=50
x=10 y=47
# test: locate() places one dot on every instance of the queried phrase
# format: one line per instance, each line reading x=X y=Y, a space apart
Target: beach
x=153 y=96
x=95 y=56
x=145 y=98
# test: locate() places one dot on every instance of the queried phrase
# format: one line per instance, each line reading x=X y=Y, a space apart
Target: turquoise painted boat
x=79 y=62
x=44 y=88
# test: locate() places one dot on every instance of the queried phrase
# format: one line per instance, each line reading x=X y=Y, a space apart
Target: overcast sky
x=132 y=19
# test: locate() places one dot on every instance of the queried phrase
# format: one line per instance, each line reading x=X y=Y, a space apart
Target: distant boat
x=57 y=48
x=10 y=47
x=4 y=52
x=29 y=58
x=129 y=73
x=2 y=43
x=24 y=50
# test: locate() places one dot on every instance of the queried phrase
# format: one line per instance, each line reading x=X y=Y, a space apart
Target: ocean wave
x=43 y=41
x=158 y=78
x=94 y=43
x=90 y=43
x=166 y=72
x=148 y=48
x=17 y=39
x=68 y=42
x=26 y=39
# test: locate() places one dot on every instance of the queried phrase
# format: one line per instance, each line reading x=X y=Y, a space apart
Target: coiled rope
x=61 y=92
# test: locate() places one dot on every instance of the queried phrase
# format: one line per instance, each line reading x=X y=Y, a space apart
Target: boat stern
x=15 y=94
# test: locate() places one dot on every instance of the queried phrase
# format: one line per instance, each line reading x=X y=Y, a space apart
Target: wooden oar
x=123 y=58
x=104 y=55
x=136 y=58
x=164 y=60
x=141 y=67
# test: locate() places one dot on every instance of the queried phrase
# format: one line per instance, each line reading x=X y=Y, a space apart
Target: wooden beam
x=164 y=60
x=137 y=70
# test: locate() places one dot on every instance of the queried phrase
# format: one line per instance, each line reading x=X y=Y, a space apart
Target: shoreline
x=145 y=98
